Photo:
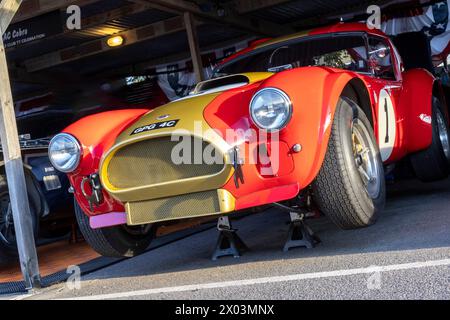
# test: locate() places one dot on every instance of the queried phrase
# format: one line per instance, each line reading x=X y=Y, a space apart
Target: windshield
x=337 y=51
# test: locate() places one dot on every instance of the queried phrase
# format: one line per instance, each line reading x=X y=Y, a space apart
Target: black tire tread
x=95 y=238
x=333 y=191
x=101 y=240
x=430 y=165
x=8 y=255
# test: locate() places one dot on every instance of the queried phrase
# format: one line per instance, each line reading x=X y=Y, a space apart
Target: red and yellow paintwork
x=314 y=92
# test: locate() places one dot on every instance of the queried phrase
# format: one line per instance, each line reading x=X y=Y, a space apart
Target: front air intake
x=149 y=162
x=179 y=207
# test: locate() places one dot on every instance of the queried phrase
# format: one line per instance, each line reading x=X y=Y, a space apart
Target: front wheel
x=118 y=241
x=350 y=187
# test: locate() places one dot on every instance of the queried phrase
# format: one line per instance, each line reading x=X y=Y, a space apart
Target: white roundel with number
x=386 y=125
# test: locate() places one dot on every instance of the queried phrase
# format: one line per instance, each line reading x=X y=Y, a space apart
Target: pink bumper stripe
x=108 y=220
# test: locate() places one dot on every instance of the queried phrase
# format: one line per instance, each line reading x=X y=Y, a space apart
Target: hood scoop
x=221 y=84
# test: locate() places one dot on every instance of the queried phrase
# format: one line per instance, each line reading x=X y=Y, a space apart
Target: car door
x=385 y=67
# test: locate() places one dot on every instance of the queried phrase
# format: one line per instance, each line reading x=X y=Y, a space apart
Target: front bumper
x=141 y=174
x=190 y=205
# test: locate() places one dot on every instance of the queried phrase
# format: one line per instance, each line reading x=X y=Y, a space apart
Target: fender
x=416 y=106
x=314 y=92
x=96 y=134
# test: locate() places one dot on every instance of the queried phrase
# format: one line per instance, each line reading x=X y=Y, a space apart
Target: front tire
x=433 y=164
x=350 y=187
x=8 y=244
x=116 y=242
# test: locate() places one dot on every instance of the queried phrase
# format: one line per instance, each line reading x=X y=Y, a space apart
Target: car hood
x=186 y=113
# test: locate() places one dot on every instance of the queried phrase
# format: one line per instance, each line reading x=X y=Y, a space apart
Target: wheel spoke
x=363 y=172
x=365 y=155
x=364 y=152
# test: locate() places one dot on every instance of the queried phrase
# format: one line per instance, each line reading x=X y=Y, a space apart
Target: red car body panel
x=96 y=134
x=415 y=104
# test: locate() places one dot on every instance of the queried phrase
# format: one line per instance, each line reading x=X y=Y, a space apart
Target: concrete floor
x=411 y=242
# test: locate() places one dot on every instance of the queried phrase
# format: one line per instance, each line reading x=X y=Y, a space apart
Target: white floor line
x=22 y=296
x=248 y=282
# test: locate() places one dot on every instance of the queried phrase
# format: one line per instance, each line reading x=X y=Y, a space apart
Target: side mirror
x=380 y=51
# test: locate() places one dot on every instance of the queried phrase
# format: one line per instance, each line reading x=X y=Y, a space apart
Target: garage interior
x=72 y=68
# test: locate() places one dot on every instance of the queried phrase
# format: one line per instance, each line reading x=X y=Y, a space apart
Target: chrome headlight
x=64 y=152
x=271 y=109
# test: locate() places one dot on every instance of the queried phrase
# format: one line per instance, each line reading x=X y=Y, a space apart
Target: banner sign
x=432 y=20
x=37 y=28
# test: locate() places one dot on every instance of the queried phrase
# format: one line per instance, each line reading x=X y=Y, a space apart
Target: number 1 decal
x=386 y=139
x=386 y=125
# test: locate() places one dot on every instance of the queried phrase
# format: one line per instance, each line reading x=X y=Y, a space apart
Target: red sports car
x=322 y=112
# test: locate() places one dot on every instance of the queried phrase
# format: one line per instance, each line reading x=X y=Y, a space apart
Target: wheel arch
x=356 y=87
x=352 y=87
x=416 y=102
x=438 y=91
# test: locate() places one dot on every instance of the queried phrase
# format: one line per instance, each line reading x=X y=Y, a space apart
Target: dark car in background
x=52 y=214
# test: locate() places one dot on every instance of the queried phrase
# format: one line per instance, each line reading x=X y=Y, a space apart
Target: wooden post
x=8 y=9
x=191 y=30
x=13 y=163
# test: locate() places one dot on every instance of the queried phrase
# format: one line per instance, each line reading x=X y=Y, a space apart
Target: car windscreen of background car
x=343 y=52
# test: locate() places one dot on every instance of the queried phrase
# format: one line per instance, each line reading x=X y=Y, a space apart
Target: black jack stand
x=228 y=243
x=300 y=234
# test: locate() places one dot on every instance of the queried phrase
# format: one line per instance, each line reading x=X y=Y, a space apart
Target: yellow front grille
x=172 y=208
x=149 y=162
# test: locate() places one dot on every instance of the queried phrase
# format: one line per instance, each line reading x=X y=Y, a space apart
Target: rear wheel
x=118 y=241
x=350 y=187
x=433 y=164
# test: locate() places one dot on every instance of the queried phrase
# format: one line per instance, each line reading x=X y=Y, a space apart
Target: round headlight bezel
x=78 y=149
x=286 y=99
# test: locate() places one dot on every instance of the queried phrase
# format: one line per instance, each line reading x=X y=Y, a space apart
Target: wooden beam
x=142 y=67
x=157 y=7
x=255 y=26
x=33 y=8
x=90 y=48
x=93 y=21
x=113 y=14
x=334 y=16
x=194 y=47
x=7 y=11
x=17 y=187
x=246 y=6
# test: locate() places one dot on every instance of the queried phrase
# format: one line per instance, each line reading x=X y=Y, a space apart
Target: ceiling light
x=115 y=41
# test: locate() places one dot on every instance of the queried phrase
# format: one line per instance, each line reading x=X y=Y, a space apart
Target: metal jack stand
x=300 y=234
x=229 y=243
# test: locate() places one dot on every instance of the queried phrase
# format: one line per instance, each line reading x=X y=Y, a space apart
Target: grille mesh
x=178 y=207
x=149 y=162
